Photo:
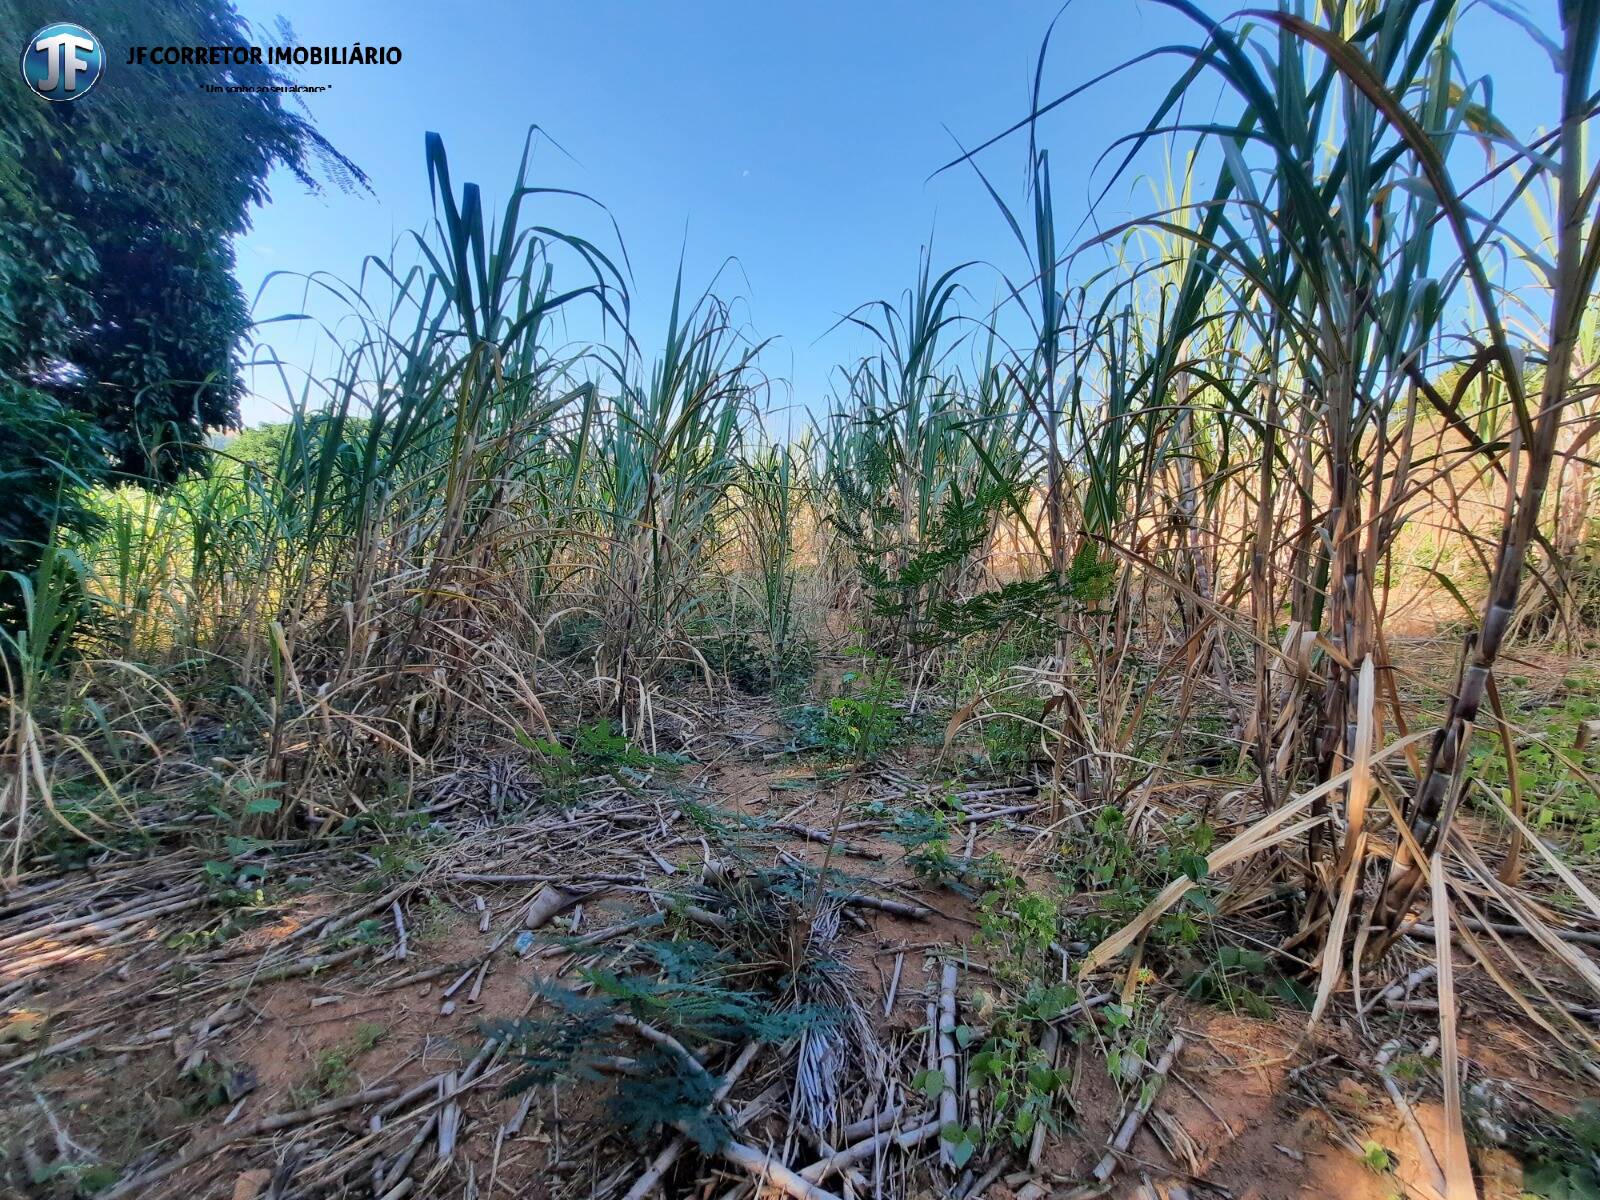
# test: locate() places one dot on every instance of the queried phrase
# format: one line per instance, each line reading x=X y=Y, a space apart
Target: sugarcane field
x=875 y=601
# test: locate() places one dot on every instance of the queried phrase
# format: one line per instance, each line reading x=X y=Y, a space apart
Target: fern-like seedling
x=693 y=993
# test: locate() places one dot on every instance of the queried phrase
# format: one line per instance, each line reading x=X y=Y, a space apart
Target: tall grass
x=1195 y=461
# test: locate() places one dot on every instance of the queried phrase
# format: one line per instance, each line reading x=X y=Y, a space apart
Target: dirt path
x=308 y=1023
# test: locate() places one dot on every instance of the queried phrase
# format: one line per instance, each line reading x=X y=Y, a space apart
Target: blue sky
x=795 y=139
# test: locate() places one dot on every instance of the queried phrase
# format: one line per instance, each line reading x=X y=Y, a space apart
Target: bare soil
x=142 y=1060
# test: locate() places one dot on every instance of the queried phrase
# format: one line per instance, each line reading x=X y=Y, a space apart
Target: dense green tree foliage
x=120 y=318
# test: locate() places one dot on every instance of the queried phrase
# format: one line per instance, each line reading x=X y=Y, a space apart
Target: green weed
x=333 y=1072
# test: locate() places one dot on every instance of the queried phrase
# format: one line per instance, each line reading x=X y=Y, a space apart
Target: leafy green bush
x=1126 y=875
x=752 y=669
x=1564 y=1163
x=861 y=721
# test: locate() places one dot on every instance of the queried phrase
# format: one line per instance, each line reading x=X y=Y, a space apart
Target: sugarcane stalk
x=1434 y=803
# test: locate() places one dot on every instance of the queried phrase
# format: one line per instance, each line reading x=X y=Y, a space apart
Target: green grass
x=1554 y=775
x=333 y=1071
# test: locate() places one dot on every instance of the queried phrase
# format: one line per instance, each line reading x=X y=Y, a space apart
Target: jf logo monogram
x=62 y=61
